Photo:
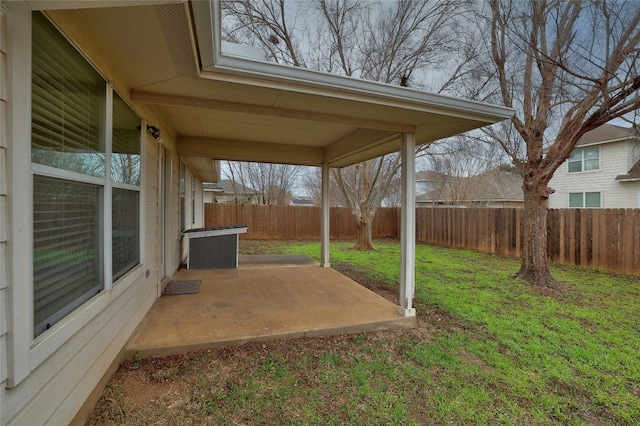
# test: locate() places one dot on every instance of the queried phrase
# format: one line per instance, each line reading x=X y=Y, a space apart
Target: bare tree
x=311 y=181
x=269 y=22
x=273 y=182
x=566 y=67
x=363 y=186
x=392 y=42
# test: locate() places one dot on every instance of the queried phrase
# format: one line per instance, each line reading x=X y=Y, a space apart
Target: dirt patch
x=139 y=391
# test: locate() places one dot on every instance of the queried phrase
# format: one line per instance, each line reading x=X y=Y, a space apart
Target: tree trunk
x=534 y=267
x=363 y=224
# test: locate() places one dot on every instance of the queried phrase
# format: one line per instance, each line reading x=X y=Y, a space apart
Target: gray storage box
x=214 y=248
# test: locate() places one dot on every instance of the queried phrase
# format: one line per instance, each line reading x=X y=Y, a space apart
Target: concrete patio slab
x=260 y=303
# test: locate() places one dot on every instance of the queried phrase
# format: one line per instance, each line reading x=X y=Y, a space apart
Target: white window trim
x=20 y=241
x=24 y=352
x=193 y=200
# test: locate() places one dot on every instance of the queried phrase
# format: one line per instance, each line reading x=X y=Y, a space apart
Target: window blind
x=125 y=160
x=68 y=102
x=125 y=240
x=68 y=134
x=66 y=247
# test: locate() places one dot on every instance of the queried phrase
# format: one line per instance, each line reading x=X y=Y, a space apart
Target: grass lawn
x=488 y=349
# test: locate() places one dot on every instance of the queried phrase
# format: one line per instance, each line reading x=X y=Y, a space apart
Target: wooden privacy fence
x=600 y=238
x=487 y=230
x=296 y=222
x=605 y=239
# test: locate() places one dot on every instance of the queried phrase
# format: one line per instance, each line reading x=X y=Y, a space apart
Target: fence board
x=599 y=238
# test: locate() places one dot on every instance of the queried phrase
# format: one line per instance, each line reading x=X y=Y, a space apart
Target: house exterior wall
x=3 y=211
x=615 y=159
x=65 y=364
x=194 y=200
x=209 y=197
x=190 y=220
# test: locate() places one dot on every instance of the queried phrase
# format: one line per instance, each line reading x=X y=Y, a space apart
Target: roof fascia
x=31 y=5
x=207 y=17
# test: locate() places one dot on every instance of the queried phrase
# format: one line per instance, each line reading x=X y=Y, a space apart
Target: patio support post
x=324 y=228
x=407 y=226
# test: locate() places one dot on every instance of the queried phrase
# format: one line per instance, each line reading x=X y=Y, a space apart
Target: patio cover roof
x=225 y=107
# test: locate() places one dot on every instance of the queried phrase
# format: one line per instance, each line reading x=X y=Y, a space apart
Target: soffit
x=229 y=116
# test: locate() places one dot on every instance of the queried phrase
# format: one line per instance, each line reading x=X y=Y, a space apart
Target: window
x=183 y=174
x=580 y=200
x=125 y=174
x=66 y=268
x=584 y=159
x=85 y=153
x=193 y=200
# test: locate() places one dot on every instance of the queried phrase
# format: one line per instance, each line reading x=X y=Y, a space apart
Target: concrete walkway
x=261 y=301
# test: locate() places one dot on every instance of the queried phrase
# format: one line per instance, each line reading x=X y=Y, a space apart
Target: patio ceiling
x=236 y=112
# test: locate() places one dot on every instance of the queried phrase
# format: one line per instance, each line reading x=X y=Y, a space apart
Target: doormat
x=181 y=287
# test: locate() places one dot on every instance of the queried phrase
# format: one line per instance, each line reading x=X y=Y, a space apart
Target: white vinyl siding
x=3 y=207
x=46 y=380
x=614 y=160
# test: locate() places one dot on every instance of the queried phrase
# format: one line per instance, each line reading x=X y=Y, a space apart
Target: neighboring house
x=302 y=201
x=429 y=180
x=111 y=117
x=228 y=191
x=491 y=189
x=603 y=171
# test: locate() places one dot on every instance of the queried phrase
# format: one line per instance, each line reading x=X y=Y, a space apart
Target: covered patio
x=265 y=298
x=219 y=104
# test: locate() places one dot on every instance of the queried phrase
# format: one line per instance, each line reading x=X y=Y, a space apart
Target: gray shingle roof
x=226 y=186
x=607 y=133
x=484 y=187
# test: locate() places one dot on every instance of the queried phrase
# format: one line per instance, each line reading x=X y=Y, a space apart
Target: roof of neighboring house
x=607 y=133
x=430 y=176
x=226 y=186
x=634 y=173
x=485 y=187
x=302 y=201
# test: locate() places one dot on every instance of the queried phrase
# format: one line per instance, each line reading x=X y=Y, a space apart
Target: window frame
x=25 y=352
x=193 y=200
x=583 y=160
x=182 y=173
